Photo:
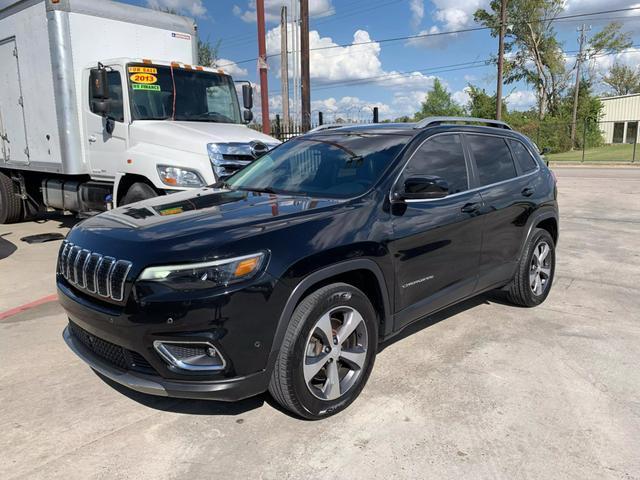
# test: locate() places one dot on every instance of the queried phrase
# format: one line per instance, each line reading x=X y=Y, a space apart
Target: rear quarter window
x=522 y=156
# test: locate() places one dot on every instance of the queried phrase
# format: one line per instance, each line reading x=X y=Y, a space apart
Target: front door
x=13 y=132
x=436 y=243
x=107 y=150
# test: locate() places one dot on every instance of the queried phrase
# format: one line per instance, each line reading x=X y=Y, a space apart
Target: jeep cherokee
x=288 y=275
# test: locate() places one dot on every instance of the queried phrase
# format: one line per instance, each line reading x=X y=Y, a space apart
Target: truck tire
x=327 y=353
x=137 y=192
x=10 y=204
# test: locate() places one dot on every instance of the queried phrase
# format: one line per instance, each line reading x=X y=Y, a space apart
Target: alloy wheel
x=540 y=269
x=335 y=353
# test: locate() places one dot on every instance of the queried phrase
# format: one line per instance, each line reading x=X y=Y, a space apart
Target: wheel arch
x=545 y=219
x=125 y=181
x=364 y=274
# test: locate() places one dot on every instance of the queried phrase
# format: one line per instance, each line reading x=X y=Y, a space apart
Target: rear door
x=13 y=131
x=436 y=242
x=507 y=192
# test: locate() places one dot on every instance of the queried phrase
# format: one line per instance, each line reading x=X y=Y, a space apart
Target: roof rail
x=433 y=121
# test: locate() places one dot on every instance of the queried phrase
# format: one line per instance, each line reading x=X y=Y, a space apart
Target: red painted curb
x=28 y=306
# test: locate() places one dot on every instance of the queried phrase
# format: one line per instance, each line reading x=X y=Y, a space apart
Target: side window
x=492 y=157
x=116 y=110
x=526 y=162
x=441 y=156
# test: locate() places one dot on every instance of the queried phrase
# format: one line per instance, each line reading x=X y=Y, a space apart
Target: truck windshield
x=199 y=96
x=330 y=166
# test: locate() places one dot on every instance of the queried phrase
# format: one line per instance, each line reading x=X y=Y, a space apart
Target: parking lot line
x=27 y=306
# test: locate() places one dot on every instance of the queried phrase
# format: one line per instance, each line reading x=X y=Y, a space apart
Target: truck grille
x=92 y=272
x=110 y=352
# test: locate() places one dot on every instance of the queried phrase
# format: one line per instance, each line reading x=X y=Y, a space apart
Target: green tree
x=536 y=55
x=438 y=103
x=622 y=79
x=481 y=104
x=208 y=53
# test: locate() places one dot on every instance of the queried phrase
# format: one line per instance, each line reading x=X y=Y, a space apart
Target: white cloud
x=521 y=100
x=360 y=60
x=462 y=96
x=272 y=8
x=430 y=41
x=457 y=14
x=192 y=7
x=231 y=68
x=417 y=12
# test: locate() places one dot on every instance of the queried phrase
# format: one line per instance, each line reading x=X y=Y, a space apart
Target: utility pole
x=304 y=66
x=503 y=21
x=284 y=67
x=262 y=66
x=576 y=91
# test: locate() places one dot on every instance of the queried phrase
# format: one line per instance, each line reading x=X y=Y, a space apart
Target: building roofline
x=619 y=96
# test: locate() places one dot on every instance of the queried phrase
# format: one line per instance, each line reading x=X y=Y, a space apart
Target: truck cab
x=165 y=126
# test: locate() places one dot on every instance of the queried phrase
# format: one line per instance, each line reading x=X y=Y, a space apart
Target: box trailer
x=103 y=103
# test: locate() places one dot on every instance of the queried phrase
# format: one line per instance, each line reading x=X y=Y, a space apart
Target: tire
x=10 y=204
x=292 y=384
x=137 y=192
x=534 y=278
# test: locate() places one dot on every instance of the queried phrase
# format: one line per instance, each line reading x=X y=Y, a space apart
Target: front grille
x=93 y=272
x=110 y=352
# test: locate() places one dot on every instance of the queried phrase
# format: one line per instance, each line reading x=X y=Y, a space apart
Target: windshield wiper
x=260 y=190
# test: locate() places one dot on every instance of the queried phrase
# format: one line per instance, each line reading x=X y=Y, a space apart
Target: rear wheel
x=327 y=353
x=534 y=276
x=137 y=192
x=10 y=204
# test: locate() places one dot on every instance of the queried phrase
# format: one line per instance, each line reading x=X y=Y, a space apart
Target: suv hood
x=194 y=136
x=194 y=224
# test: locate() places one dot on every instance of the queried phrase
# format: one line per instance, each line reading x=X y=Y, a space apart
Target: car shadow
x=64 y=221
x=7 y=248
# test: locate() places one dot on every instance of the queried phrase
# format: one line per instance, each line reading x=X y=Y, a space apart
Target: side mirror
x=545 y=150
x=101 y=107
x=247 y=116
x=99 y=84
x=247 y=96
x=424 y=188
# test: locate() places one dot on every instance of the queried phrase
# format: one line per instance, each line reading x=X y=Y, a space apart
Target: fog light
x=193 y=356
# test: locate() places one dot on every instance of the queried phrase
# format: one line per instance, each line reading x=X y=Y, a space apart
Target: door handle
x=528 y=191
x=92 y=139
x=470 y=207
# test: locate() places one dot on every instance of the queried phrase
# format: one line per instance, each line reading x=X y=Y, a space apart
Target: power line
x=438 y=34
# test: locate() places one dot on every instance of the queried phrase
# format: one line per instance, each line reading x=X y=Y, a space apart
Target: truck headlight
x=179 y=177
x=217 y=273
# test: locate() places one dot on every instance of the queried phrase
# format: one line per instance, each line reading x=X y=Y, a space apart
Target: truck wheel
x=10 y=204
x=137 y=192
x=327 y=353
x=535 y=272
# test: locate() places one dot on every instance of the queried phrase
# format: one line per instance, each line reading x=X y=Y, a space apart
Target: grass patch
x=621 y=152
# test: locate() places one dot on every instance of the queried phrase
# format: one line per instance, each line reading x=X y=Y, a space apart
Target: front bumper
x=233 y=389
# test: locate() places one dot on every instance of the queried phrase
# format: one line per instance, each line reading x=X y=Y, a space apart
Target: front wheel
x=137 y=192
x=327 y=353
x=535 y=272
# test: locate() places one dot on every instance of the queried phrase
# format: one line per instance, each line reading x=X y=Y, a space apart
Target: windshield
x=199 y=96
x=334 y=166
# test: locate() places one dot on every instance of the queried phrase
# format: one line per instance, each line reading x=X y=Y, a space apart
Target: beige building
x=621 y=114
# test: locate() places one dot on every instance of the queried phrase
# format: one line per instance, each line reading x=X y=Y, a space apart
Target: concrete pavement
x=483 y=390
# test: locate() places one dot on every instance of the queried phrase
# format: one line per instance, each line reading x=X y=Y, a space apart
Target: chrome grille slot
x=92 y=272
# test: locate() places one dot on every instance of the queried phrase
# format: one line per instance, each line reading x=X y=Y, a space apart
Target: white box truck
x=102 y=104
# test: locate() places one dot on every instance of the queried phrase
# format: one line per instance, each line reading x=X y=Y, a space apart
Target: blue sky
x=348 y=21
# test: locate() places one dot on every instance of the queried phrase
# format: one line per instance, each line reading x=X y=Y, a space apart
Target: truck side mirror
x=247 y=116
x=247 y=96
x=101 y=107
x=99 y=84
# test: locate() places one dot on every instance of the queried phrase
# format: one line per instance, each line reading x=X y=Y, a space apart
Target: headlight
x=217 y=273
x=179 y=177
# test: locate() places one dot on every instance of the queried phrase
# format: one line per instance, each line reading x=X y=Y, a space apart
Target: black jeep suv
x=288 y=275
